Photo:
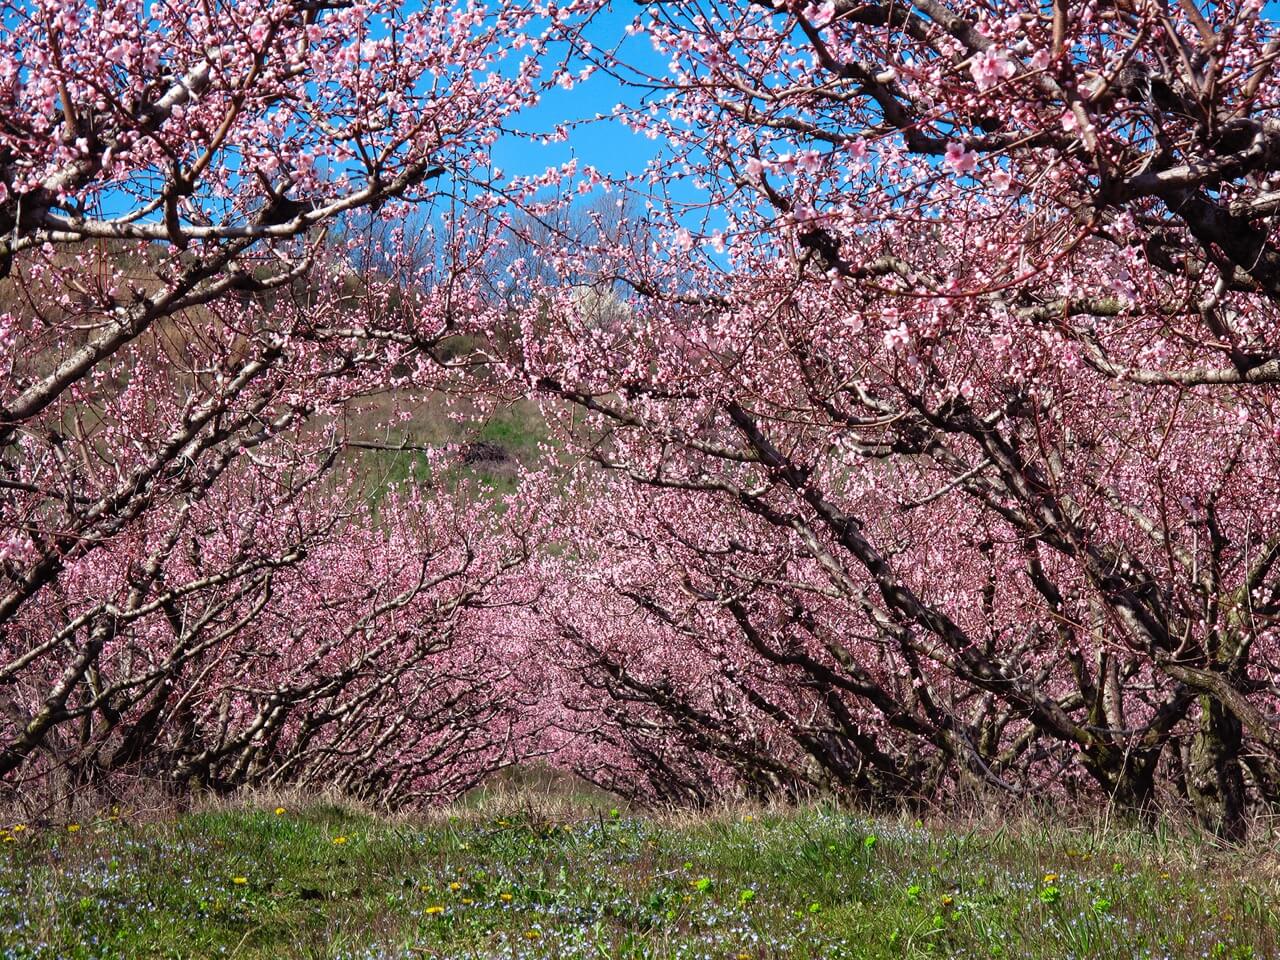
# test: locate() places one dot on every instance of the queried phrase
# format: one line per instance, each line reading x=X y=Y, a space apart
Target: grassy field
x=323 y=881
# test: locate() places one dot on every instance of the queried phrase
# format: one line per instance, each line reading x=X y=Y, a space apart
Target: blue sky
x=608 y=145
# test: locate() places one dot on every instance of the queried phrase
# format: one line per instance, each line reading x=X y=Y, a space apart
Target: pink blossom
x=991 y=66
x=809 y=161
x=898 y=339
x=960 y=161
x=820 y=14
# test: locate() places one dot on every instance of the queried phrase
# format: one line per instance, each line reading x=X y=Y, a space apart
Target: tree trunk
x=1128 y=776
x=1215 y=779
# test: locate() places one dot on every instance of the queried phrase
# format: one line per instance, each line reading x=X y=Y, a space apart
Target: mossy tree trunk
x=1215 y=777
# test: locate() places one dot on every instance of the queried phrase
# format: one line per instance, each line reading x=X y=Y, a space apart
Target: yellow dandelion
x=744 y=956
x=435 y=909
x=1050 y=878
x=504 y=897
x=72 y=827
x=19 y=827
x=532 y=934
x=339 y=841
x=10 y=838
x=455 y=886
x=467 y=901
x=948 y=900
x=240 y=880
x=279 y=811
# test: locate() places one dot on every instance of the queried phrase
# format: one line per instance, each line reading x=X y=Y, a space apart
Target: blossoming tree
x=200 y=339
x=951 y=377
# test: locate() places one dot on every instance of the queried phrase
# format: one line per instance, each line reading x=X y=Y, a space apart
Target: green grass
x=324 y=881
x=517 y=428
